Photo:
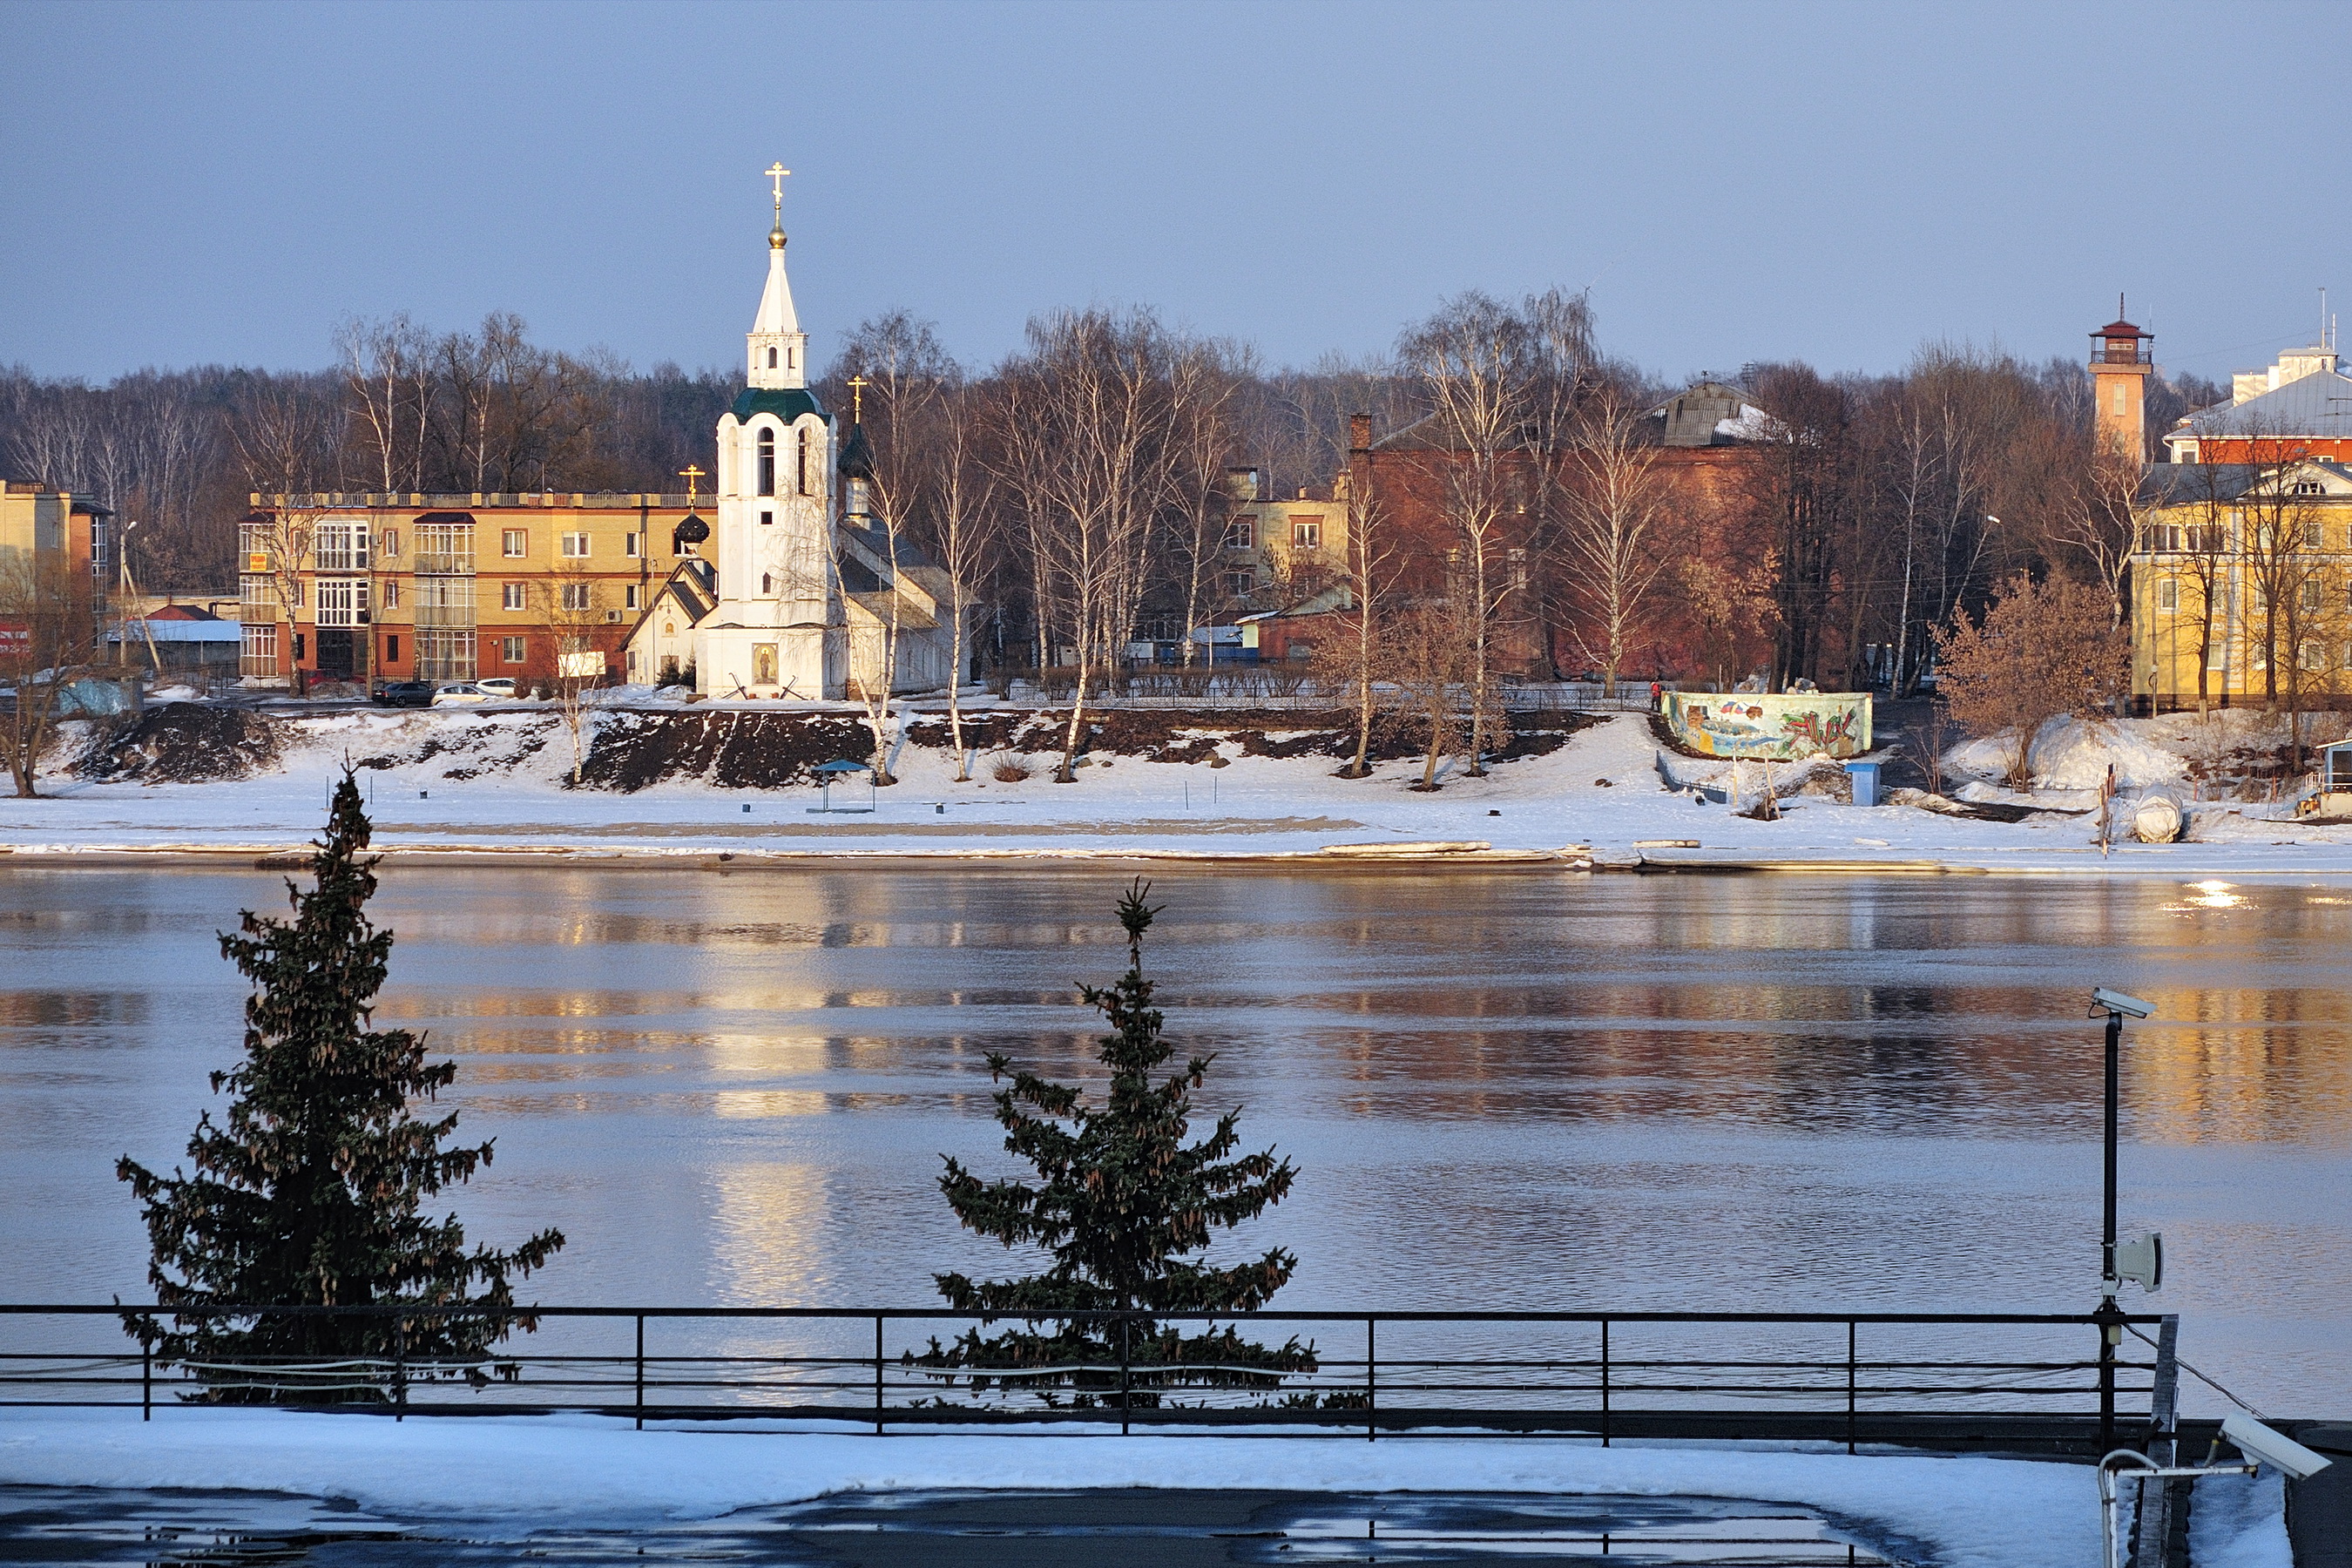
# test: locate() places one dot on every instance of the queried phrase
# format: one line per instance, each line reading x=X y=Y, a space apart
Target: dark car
x=405 y=694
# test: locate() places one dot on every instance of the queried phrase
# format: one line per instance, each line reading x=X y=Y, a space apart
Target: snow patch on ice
x=1969 y=1512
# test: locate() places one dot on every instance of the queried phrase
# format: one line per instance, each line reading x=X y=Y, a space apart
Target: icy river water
x=1501 y=1090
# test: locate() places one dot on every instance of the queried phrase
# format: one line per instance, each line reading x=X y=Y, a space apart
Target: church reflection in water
x=1500 y=1089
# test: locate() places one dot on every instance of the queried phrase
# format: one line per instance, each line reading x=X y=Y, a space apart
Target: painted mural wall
x=1794 y=724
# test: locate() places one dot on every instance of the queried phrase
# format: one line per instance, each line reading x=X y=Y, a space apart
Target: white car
x=500 y=687
x=458 y=691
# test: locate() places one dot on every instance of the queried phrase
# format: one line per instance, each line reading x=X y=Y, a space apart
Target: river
x=1526 y=1090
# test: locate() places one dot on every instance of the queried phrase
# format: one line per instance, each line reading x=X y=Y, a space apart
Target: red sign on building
x=15 y=640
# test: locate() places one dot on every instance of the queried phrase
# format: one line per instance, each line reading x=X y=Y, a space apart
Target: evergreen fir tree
x=1121 y=1200
x=310 y=1193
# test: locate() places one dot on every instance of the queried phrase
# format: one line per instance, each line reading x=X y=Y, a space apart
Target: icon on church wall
x=764 y=664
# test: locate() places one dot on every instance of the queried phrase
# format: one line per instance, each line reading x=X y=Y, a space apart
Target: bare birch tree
x=1471 y=359
x=1087 y=426
x=1613 y=508
x=1354 y=664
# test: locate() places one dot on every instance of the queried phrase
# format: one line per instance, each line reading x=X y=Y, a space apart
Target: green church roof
x=786 y=402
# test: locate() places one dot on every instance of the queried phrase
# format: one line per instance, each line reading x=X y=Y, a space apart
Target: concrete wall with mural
x=1794 y=724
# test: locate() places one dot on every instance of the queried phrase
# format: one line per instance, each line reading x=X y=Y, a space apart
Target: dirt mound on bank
x=182 y=742
x=739 y=749
x=731 y=749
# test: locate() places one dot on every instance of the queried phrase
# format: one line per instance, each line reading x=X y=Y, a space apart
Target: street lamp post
x=2115 y=1005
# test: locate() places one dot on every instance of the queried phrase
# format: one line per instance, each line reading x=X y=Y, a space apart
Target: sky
x=225 y=183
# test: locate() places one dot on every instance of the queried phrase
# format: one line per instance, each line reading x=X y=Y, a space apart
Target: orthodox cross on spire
x=857 y=385
x=776 y=173
x=692 y=475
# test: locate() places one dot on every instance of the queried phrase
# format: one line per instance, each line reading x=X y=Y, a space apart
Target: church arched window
x=767 y=583
x=804 y=476
x=771 y=358
x=767 y=462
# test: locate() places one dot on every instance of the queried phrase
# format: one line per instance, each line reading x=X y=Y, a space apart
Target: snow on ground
x=2240 y=1522
x=1962 y=1512
x=1603 y=789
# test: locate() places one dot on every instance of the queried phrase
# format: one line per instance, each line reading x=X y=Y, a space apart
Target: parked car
x=458 y=691
x=500 y=686
x=405 y=694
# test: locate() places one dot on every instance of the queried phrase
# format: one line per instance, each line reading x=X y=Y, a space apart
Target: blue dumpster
x=1865 y=783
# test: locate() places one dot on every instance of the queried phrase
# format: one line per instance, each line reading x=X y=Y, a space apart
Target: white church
x=795 y=592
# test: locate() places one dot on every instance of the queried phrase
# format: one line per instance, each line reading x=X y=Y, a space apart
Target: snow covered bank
x=489 y=786
x=1967 y=1512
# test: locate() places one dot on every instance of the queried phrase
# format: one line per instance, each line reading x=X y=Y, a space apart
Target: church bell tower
x=778 y=349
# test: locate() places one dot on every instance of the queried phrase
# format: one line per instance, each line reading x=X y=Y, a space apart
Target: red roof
x=2120 y=329
x=182 y=612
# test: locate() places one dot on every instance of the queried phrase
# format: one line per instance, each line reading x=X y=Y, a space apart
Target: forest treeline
x=1080 y=481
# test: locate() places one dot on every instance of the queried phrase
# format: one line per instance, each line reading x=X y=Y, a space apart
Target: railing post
x=400 y=1369
x=878 y=1375
x=1604 y=1383
x=2110 y=1331
x=1123 y=1383
x=1848 y=1384
x=641 y=1372
x=1371 y=1380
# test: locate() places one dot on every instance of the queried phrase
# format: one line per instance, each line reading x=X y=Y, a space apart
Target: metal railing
x=1866 y=1377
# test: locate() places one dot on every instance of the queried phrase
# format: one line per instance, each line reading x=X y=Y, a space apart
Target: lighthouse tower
x=2122 y=359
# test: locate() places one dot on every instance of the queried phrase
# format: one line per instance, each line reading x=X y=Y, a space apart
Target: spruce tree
x=310 y=1193
x=1121 y=1202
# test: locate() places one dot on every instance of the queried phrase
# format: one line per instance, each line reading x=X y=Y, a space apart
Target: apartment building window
x=514 y=543
x=253 y=543
x=512 y=595
x=342 y=601
x=2168 y=595
x=445 y=547
x=1515 y=561
x=768 y=462
x=1240 y=585
x=2309 y=488
x=392 y=595
x=577 y=595
x=392 y=650
x=2313 y=592
x=632 y=545
x=257 y=598
x=1242 y=533
x=340 y=545
x=391 y=543
x=257 y=649
x=444 y=655
x=510 y=650
x=1305 y=535
x=629 y=597
x=575 y=546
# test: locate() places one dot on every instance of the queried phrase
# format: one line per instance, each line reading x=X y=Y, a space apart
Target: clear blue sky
x=187 y=183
